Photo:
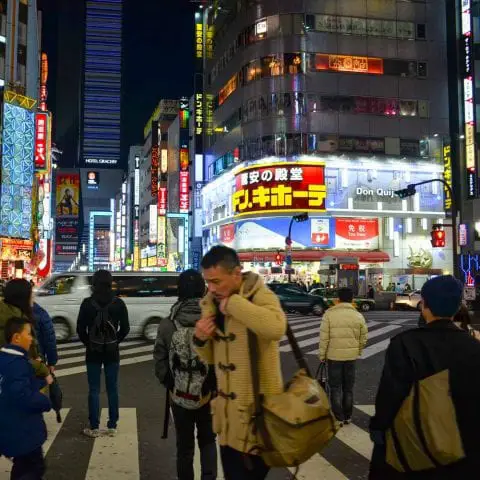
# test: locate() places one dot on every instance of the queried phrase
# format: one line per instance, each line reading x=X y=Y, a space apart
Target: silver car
x=408 y=301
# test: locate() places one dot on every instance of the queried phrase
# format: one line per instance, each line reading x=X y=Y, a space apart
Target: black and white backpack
x=188 y=369
x=103 y=334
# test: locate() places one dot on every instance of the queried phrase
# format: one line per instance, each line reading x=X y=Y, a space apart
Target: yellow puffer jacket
x=256 y=308
x=343 y=333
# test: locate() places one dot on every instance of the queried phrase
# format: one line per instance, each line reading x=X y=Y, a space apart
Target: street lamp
x=302 y=217
x=411 y=190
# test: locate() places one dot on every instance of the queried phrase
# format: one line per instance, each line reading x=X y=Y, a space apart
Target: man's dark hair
x=345 y=295
x=442 y=295
x=14 y=325
x=221 y=256
x=190 y=285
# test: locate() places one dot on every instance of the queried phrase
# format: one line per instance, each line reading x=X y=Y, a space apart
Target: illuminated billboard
x=280 y=187
x=155 y=165
x=42 y=144
x=67 y=206
x=184 y=192
x=348 y=63
x=17 y=172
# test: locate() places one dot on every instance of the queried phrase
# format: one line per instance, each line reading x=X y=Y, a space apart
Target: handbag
x=322 y=376
x=293 y=425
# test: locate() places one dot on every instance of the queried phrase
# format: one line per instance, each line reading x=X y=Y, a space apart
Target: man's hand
x=49 y=379
x=205 y=328
x=51 y=368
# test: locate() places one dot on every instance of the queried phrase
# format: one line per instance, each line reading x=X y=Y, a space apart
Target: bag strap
x=297 y=352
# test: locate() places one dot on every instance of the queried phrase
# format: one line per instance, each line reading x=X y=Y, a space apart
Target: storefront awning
x=315 y=256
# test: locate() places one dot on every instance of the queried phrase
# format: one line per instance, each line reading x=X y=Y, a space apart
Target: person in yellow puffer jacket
x=343 y=336
x=18 y=302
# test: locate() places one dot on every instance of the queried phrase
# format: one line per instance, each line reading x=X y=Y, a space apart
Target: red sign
x=361 y=233
x=184 y=160
x=227 y=233
x=41 y=136
x=162 y=201
x=155 y=163
x=348 y=63
x=184 y=192
x=280 y=187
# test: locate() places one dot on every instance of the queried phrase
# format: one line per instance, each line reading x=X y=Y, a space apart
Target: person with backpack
x=101 y=326
x=190 y=380
x=427 y=418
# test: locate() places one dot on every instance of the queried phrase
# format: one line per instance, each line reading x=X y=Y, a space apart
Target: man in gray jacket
x=190 y=381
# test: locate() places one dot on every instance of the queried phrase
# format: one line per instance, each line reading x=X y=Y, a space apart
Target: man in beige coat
x=235 y=303
x=343 y=336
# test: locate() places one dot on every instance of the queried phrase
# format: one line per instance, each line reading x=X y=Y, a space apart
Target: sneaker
x=91 y=432
x=347 y=421
x=112 y=432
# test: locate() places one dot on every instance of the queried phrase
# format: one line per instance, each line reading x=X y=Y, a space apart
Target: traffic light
x=278 y=258
x=406 y=192
x=438 y=237
x=288 y=241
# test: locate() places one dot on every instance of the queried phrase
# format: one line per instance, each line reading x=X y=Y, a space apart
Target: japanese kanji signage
x=162 y=201
x=280 y=187
x=184 y=192
x=41 y=138
x=155 y=164
x=447 y=176
x=357 y=233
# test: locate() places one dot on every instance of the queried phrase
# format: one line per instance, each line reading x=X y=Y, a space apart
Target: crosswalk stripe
x=65 y=372
x=63 y=346
x=297 y=320
x=318 y=467
x=299 y=326
x=357 y=439
x=116 y=458
x=197 y=464
x=368 y=409
x=375 y=348
x=52 y=431
x=123 y=346
x=131 y=351
x=382 y=331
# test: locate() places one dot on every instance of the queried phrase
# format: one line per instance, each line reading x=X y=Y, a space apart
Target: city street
x=138 y=452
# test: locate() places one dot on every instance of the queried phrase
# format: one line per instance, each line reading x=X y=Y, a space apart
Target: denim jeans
x=185 y=422
x=94 y=371
x=341 y=379
x=29 y=467
x=240 y=466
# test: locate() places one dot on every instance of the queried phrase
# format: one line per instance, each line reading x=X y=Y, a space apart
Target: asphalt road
x=139 y=453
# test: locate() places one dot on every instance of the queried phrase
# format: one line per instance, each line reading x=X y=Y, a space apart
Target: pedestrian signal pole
x=303 y=217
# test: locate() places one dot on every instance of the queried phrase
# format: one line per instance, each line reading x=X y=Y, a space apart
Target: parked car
x=294 y=299
x=408 y=301
x=330 y=297
x=148 y=296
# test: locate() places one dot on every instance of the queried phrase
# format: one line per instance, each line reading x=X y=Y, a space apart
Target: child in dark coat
x=22 y=428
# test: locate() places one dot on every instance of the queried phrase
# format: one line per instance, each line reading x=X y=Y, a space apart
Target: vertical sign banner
x=162 y=241
x=184 y=192
x=67 y=199
x=447 y=176
x=41 y=139
x=136 y=216
x=162 y=201
x=155 y=164
x=199 y=38
x=199 y=114
x=469 y=99
x=152 y=237
x=43 y=82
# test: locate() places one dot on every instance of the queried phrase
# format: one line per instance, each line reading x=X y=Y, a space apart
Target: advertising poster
x=357 y=233
x=67 y=206
x=271 y=233
x=227 y=234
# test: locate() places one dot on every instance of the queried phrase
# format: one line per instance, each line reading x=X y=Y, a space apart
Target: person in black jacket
x=438 y=346
x=102 y=296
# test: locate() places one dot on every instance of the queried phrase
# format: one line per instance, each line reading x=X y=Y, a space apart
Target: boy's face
x=24 y=338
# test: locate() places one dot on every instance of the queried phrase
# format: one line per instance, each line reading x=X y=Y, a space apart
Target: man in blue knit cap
x=416 y=355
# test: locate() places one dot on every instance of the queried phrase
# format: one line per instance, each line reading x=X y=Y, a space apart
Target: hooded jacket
x=47 y=342
x=343 y=333
x=22 y=428
x=254 y=308
x=186 y=313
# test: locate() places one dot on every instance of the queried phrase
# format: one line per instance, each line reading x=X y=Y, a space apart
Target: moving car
x=148 y=297
x=295 y=299
x=408 y=301
x=330 y=297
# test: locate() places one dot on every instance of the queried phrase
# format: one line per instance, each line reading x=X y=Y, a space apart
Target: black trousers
x=341 y=379
x=185 y=423
x=240 y=466
x=29 y=467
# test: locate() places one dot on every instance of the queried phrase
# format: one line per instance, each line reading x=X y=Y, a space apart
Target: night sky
x=158 y=55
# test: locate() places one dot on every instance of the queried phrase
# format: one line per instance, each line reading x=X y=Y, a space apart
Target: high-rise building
x=102 y=84
x=326 y=108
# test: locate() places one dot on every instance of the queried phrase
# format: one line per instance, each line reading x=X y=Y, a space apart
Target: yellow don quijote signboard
x=280 y=187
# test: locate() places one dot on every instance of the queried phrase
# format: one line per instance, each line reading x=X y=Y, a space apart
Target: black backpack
x=103 y=334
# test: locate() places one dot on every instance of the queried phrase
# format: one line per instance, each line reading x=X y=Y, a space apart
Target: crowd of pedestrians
x=426 y=411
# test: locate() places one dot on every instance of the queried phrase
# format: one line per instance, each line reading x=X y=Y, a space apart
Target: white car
x=148 y=297
x=408 y=301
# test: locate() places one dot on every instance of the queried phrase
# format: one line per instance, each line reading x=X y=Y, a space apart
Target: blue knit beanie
x=443 y=295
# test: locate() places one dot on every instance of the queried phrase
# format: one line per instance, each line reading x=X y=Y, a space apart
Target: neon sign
x=280 y=187
x=348 y=63
x=447 y=176
x=155 y=163
x=199 y=40
x=41 y=138
x=184 y=192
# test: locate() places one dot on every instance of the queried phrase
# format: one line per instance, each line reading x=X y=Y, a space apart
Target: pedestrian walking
x=101 y=326
x=18 y=302
x=343 y=336
x=236 y=303
x=427 y=418
x=22 y=428
x=190 y=380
